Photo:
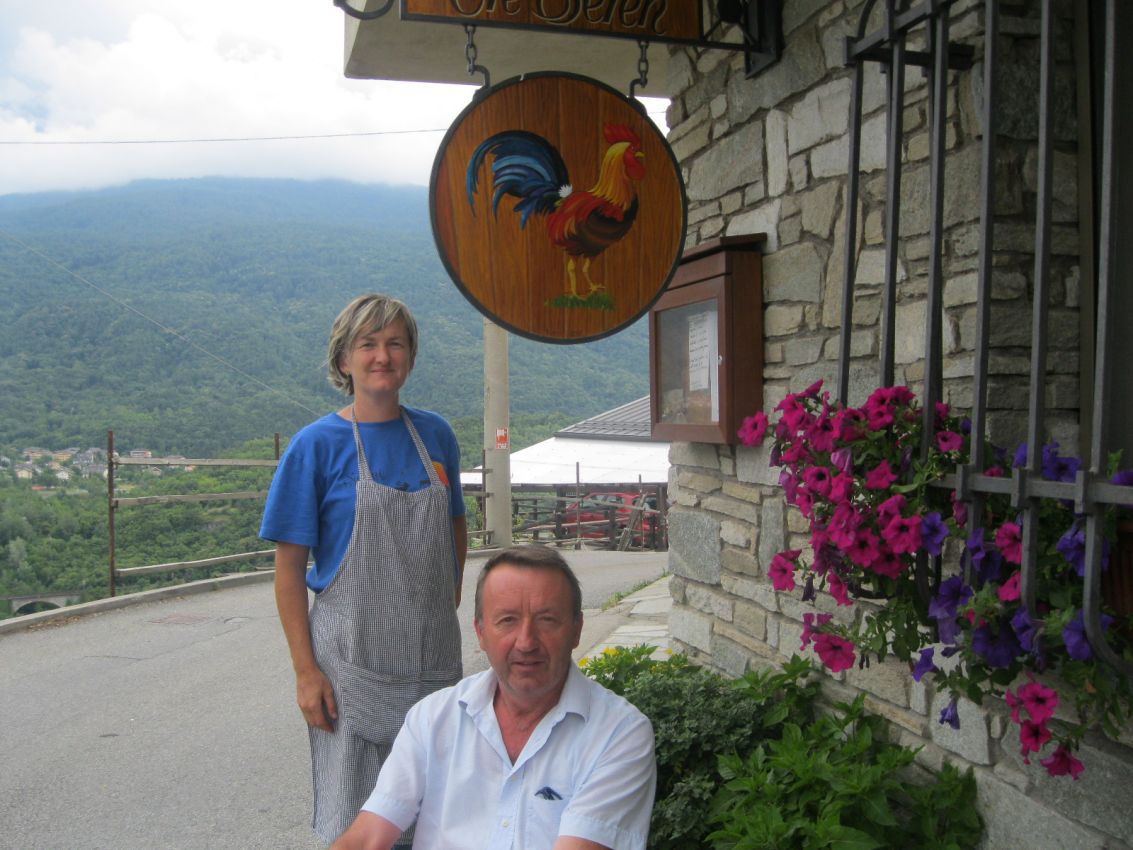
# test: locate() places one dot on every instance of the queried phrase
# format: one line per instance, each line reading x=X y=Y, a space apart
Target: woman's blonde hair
x=365 y=315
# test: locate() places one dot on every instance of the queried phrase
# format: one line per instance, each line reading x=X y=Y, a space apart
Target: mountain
x=189 y=316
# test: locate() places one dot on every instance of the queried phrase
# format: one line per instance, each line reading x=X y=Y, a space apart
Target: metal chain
x=470 y=53
x=642 y=68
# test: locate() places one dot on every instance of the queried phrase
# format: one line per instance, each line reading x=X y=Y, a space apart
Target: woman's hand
x=315 y=695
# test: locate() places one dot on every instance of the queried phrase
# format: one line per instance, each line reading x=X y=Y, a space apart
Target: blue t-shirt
x=312 y=496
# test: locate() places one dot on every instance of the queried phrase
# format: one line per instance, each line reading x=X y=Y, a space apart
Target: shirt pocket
x=544 y=808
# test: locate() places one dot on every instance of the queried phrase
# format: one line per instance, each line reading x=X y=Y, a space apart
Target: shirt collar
x=575 y=698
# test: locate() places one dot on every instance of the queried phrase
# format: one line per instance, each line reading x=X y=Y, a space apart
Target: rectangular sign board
x=652 y=20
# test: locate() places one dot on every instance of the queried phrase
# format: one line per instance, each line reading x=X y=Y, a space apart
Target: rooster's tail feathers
x=525 y=166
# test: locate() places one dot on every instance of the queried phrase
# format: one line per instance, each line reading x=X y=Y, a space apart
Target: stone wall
x=770 y=155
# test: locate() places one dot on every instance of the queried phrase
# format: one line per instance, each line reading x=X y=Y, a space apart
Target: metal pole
x=110 y=503
x=497 y=454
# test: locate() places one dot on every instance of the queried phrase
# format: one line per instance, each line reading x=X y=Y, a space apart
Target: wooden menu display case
x=706 y=343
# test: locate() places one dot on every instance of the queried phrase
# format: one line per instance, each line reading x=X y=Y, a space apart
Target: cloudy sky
x=123 y=70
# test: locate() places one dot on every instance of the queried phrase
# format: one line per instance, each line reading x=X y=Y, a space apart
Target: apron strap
x=422 y=453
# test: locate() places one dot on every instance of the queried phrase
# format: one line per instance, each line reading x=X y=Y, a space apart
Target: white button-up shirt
x=587 y=770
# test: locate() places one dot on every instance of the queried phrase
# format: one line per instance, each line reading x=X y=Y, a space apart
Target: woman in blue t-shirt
x=372 y=494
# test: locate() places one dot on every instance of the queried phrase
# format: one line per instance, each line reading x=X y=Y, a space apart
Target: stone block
x=870 y=269
x=690 y=143
x=782 y=319
x=694 y=545
x=790 y=230
x=1009 y=814
x=745 y=587
x=875 y=131
x=743 y=491
x=752 y=465
x=730 y=203
x=798 y=69
x=822 y=114
x=678 y=73
x=709 y=600
x=762 y=219
x=730 y=163
x=798 y=168
x=894 y=714
x=710 y=228
x=691 y=627
x=740 y=560
x=736 y=508
x=775 y=137
x=699 y=212
x=830 y=159
x=887 y=680
x=971 y=740
x=960 y=290
x=820 y=208
x=693 y=454
x=728 y=656
x=735 y=533
x=801 y=351
x=750 y=619
x=793 y=273
x=698 y=118
x=910 y=335
x=698 y=481
x=772 y=530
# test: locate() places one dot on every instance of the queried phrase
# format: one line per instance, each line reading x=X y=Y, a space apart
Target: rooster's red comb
x=621 y=133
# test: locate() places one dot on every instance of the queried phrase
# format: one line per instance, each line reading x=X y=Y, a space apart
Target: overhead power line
x=171 y=331
x=224 y=139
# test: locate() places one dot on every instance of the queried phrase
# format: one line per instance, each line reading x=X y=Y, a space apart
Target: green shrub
x=752 y=763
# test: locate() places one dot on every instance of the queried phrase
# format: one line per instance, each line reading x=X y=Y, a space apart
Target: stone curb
x=98 y=606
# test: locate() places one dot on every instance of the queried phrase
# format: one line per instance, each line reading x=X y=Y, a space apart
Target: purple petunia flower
x=933 y=533
x=843 y=459
x=988 y=568
x=999 y=647
x=950 y=715
x=1123 y=478
x=952 y=594
x=1020 y=458
x=1028 y=630
x=1074 y=636
x=1072 y=545
x=924 y=664
x=948 y=631
x=1057 y=468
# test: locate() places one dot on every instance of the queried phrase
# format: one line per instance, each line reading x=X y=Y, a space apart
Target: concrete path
x=170 y=723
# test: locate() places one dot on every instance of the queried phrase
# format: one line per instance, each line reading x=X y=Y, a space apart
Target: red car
x=594 y=512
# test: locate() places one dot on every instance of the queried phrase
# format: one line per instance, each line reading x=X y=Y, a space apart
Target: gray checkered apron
x=384 y=631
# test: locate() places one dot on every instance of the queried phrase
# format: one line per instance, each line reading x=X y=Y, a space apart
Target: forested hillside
x=201 y=315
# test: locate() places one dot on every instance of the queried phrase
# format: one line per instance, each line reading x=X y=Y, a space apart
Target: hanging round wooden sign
x=558 y=207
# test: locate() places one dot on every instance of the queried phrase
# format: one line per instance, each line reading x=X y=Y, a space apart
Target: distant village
x=63 y=465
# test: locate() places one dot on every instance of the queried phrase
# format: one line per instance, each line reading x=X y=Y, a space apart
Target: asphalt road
x=172 y=724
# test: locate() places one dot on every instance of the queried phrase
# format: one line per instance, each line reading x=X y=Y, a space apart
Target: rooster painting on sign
x=582 y=223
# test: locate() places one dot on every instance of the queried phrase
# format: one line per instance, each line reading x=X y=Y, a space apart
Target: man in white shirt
x=530 y=755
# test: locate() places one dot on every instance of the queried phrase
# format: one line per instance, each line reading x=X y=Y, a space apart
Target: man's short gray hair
x=530 y=556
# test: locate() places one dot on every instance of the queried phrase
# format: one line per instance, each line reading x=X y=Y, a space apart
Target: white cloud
x=206 y=69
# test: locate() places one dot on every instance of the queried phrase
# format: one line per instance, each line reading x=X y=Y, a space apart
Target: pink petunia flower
x=890 y=509
x=1009 y=591
x=817 y=480
x=838 y=589
x=959 y=511
x=949 y=441
x=782 y=573
x=1039 y=700
x=1015 y=704
x=821 y=434
x=864 y=549
x=841 y=488
x=1033 y=736
x=879 y=417
x=837 y=653
x=811 y=625
x=753 y=429
x=1009 y=539
x=1062 y=763
x=880 y=477
x=887 y=563
x=903 y=534
x=850 y=424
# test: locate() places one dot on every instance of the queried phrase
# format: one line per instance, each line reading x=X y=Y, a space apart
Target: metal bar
x=188 y=565
x=1040 y=305
x=926 y=583
x=960 y=56
x=892 y=200
x=110 y=503
x=194 y=461
x=189 y=498
x=1091 y=593
x=849 y=261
